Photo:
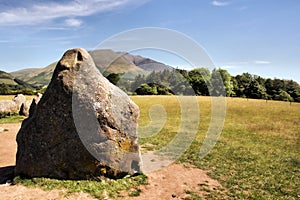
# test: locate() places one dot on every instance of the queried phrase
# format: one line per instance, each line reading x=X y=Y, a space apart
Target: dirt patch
x=170 y=182
x=173 y=181
x=8 y=144
x=24 y=193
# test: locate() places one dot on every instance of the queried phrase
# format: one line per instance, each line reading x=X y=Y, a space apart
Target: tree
x=4 y=89
x=145 y=89
x=139 y=80
x=199 y=79
x=293 y=89
x=242 y=84
x=221 y=83
x=113 y=78
x=270 y=88
x=256 y=90
x=283 y=96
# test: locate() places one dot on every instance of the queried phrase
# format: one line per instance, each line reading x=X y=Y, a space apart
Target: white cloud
x=73 y=22
x=262 y=62
x=41 y=12
x=220 y=3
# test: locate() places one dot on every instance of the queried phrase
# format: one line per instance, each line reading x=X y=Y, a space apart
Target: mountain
x=38 y=77
x=146 y=64
x=6 y=78
x=11 y=82
x=107 y=61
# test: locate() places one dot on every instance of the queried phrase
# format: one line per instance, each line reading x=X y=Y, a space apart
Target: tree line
x=201 y=81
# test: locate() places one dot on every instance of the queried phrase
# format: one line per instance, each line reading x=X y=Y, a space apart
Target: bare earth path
x=168 y=183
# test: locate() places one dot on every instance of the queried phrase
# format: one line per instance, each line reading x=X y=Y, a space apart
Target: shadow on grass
x=7 y=173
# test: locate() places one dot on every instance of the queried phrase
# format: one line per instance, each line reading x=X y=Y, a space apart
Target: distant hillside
x=6 y=78
x=38 y=77
x=11 y=82
x=107 y=61
x=146 y=64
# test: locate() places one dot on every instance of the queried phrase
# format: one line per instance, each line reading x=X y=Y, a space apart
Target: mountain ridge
x=106 y=60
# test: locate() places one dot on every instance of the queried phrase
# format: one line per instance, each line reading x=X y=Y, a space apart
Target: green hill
x=9 y=83
x=38 y=77
x=108 y=61
x=6 y=78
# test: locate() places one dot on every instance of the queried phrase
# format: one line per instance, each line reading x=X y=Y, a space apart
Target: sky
x=261 y=37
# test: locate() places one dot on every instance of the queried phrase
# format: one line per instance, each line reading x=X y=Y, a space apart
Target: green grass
x=256 y=156
x=98 y=189
x=13 y=119
x=192 y=195
x=135 y=193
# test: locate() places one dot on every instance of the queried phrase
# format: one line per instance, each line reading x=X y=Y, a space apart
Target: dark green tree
x=200 y=81
x=283 y=96
x=256 y=90
x=221 y=83
x=145 y=89
x=241 y=85
x=113 y=78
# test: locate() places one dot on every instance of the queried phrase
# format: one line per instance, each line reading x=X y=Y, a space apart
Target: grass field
x=256 y=156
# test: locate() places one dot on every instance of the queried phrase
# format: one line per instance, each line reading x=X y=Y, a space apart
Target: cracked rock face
x=83 y=126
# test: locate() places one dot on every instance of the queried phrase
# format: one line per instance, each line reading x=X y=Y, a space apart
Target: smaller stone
x=1 y=129
x=34 y=103
x=8 y=107
x=19 y=99
x=173 y=195
x=24 y=110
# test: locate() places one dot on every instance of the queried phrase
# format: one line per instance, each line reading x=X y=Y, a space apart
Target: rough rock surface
x=36 y=99
x=83 y=127
x=29 y=105
x=24 y=109
x=9 y=107
x=19 y=99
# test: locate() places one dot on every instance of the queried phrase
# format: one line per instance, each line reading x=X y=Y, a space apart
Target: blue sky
x=257 y=36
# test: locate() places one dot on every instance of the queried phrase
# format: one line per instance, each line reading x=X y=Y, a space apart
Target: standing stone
x=36 y=99
x=19 y=99
x=83 y=127
x=8 y=107
x=24 y=110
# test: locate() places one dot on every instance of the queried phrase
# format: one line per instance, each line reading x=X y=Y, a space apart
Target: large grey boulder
x=9 y=107
x=83 y=127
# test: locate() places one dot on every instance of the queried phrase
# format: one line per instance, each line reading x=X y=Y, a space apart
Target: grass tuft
x=97 y=189
x=13 y=119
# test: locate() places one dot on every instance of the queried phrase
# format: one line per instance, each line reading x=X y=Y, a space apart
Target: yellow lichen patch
x=103 y=170
x=125 y=144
